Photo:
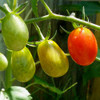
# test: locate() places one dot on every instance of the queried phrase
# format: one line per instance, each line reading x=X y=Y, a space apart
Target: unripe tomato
x=82 y=46
x=3 y=62
x=15 y=32
x=23 y=65
x=52 y=59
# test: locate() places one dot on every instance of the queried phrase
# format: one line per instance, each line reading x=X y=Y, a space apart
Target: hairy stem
x=65 y=18
x=39 y=31
x=47 y=8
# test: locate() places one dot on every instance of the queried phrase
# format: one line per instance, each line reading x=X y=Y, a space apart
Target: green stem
x=26 y=17
x=39 y=31
x=64 y=18
x=2 y=80
x=67 y=54
x=97 y=58
x=10 y=3
x=38 y=62
x=7 y=7
x=69 y=87
x=8 y=73
x=14 y=4
x=46 y=17
x=30 y=85
x=3 y=9
x=47 y=8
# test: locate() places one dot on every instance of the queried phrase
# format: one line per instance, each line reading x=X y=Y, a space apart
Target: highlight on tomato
x=3 y=62
x=23 y=65
x=52 y=59
x=15 y=32
x=82 y=46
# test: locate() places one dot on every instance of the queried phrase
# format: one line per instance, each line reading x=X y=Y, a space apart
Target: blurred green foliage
x=91 y=7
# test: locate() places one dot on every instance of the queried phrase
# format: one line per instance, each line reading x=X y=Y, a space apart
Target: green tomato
x=15 y=32
x=3 y=62
x=23 y=65
x=52 y=59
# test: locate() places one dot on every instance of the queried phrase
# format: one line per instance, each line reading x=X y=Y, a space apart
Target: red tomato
x=82 y=46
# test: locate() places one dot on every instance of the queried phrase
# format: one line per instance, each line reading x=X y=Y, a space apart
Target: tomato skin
x=52 y=59
x=82 y=46
x=15 y=32
x=23 y=65
x=3 y=62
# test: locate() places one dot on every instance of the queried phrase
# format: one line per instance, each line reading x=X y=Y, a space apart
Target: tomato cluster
x=82 y=46
x=15 y=34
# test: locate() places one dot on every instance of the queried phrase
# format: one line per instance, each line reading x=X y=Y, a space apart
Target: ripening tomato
x=23 y=65
x=52 y=59
x=82 y=46
x=3 y=62
x=15 y=32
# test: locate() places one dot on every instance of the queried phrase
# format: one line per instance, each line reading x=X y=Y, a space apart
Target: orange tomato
x=82 y=46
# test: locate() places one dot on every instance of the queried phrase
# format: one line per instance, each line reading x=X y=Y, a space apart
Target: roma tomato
x=82 y=46
x=52 y=59
x=3 y=62
x=15 y=32
x=23 y=65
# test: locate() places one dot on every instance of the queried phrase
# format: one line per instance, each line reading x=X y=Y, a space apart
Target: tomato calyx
x=36 y=43
x=6 y=9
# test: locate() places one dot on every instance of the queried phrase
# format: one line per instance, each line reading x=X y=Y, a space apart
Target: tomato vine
x=56 y=62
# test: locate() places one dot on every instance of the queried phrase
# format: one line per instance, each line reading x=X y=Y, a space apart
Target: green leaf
x=75 y=25
x=91 y=8
x=10 y=3
x=34 y=7
x=46 y=85
x=14 y=4
x=64 y=30
x=17 y=93
x=54 y=35
x=21 y=6
x=49 y=32
x=91 y=72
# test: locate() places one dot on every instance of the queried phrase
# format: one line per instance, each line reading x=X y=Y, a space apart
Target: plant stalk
x=3 y=10
x=39 y=31
x=8 y=73
x=14 y=4
x=47 y=7
x=64 y=18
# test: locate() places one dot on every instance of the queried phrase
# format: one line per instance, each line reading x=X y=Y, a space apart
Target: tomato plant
x=3 y=62
x=82 y=46
x=15 y=32
x=23 y=65
x=52 y=59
